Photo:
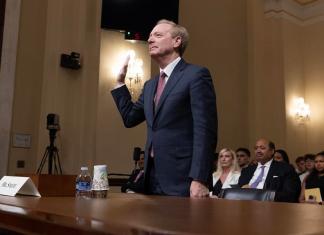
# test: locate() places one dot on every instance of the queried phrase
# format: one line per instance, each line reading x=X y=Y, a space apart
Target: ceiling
x=304 y=2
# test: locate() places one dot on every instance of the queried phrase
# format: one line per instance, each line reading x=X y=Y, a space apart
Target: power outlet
x=20 y=164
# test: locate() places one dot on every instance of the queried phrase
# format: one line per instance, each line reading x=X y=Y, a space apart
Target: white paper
x=12 y=185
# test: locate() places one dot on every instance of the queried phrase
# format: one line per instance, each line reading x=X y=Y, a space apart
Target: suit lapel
x=250 y=173
x=270 y=175
x=151 y=96
x=176 y=75
x=215 y=178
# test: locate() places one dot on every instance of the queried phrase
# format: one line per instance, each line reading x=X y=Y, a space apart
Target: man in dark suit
x=179 y=108
x=272 y=175
x=135 y=183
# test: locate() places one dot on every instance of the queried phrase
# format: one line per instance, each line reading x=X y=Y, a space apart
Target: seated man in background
x=135 y=183
x=309 y=166
x=243 y=157
x=315 y=180
x=300 y=165
x=272 y=175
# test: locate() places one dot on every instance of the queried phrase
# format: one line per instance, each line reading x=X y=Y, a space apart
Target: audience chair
x=117 y=179
x=247 y=194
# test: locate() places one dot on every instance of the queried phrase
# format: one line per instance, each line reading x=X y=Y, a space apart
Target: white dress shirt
x=169 y=68
x=303 y=176
x=258 y=171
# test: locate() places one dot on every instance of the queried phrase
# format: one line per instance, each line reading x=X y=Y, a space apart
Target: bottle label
x=83 y=186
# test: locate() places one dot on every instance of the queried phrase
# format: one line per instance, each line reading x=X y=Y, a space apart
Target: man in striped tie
x=272 y=175
x=179 y=107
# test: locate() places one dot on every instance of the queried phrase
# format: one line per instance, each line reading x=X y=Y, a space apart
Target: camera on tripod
x=51 y=152
x=53 y=121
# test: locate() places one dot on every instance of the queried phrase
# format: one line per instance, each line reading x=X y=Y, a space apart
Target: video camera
x=71 y=61
x=53 y=121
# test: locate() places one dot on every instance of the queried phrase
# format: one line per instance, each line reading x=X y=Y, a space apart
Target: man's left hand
x=198 y=190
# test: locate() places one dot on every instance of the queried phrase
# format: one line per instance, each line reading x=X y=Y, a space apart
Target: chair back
x=248 y=194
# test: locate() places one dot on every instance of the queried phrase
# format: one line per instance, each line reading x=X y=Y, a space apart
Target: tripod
x=51 y=153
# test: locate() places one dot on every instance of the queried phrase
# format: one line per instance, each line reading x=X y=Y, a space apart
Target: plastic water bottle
x=83 y=184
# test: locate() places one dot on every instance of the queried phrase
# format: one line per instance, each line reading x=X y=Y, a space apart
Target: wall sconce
x=301 y=110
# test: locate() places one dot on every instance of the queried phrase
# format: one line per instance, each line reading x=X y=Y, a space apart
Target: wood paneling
x=140 y=214
x=2 y=14
x=305 y=2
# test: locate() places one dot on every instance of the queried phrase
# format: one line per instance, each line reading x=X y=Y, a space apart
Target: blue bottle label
x=83 y=186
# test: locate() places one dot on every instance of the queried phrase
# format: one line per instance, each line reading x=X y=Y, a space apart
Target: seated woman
x=227 y=173
x=314 y=180
x=309 y=166
x=281 y=155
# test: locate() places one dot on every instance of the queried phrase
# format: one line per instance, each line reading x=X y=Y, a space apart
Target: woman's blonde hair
x=235 y=166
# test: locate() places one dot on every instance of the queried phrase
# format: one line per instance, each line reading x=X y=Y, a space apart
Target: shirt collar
x=170 y=67
x=267 y=164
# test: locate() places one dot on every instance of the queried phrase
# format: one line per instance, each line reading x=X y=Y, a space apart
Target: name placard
x=12 y=185
x=313 y=193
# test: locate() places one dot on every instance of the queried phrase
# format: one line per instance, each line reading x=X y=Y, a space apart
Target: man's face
x=319 y=163
x=141 y=162
x=309 y=164
x=262 y=151
x=161 y=42
x=242 y=158
x=301 y=166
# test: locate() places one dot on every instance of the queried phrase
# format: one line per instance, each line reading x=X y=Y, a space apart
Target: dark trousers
x=152 y=183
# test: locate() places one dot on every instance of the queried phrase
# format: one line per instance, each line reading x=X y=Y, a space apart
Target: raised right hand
x=123 y=71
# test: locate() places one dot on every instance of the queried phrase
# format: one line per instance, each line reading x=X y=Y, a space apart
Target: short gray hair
x=178 y=31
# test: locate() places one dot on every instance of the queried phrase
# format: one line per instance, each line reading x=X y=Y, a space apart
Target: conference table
x=141 y=214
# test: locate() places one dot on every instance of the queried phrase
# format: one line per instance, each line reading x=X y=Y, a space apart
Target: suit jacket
x=182 y=129
x=231 y=179
x=281 y=178
x=135 y=182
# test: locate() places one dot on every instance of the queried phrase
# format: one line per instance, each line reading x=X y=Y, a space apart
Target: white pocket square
x=275 y=176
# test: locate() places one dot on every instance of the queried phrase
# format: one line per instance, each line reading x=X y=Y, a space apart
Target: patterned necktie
x=258 y=179
x=139 y=175
x=160 y=88
x=157 y=97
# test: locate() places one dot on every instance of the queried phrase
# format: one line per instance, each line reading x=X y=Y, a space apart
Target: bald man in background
x=270 y=174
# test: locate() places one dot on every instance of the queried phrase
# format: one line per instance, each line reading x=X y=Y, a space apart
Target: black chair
x=247 y=194
x=117 y=179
